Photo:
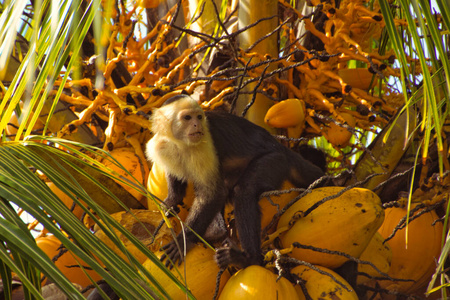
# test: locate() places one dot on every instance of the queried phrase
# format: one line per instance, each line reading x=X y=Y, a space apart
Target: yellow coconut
x=199 y=272
x=338 y=135
x=269 y=207
x=377 y=253
x=256 y=282
x=358 y=78
x=286 y=113
x=128 y=159
x=346 y=224
x=67 y=263
x=77 y=210
x=415 y=260
x=323 y=286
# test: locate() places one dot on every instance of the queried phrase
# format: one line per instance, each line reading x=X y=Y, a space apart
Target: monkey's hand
x=174 y=251
x=172 y=209
x=171 y=212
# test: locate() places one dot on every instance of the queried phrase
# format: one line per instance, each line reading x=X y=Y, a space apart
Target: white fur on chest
x=197 y=163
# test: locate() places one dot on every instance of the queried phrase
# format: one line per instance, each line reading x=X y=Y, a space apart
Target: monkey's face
x=189 y=125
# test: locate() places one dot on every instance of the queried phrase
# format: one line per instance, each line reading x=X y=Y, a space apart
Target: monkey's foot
x=229 y=256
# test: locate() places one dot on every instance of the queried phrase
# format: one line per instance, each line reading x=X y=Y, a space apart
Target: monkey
x=228 y=158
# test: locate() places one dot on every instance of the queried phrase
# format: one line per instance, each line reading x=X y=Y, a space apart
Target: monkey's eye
x=187 y=117
x=199 y=117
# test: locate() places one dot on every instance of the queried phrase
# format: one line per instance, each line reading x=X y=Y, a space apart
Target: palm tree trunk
x=250 y=11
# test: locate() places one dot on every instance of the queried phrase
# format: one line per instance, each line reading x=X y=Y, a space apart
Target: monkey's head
x=180 y=118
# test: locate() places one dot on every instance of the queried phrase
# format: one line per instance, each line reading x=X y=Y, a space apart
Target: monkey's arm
x=203 y=211
x=176 y=192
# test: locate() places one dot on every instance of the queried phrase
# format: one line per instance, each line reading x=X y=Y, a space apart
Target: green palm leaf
x=19 y=185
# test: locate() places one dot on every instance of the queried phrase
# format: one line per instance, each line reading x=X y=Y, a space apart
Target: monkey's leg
x=262 y=174
x=217 y=230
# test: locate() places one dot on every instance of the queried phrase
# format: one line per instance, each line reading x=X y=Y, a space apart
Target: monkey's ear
x=160 y=122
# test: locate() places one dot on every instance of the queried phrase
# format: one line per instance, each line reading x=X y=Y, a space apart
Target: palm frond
x=24 y=188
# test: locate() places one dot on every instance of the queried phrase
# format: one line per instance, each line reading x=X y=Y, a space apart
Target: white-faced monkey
x=227 y=158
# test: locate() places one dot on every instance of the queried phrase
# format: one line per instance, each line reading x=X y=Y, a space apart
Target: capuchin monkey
x=228 y=158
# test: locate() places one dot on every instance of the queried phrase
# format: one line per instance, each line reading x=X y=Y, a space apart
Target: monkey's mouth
x=197 y=134
x=196 y=137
